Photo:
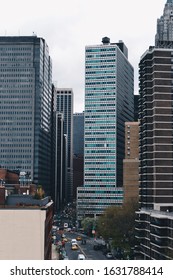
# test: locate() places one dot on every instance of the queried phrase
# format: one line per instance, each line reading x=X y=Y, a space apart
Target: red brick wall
x=9 y=176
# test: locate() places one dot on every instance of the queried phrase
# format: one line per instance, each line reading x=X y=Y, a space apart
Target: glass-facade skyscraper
x=25 y=107
x=63 y=103
x=109 y=102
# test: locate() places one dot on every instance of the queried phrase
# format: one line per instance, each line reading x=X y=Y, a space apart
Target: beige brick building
x=131 y=162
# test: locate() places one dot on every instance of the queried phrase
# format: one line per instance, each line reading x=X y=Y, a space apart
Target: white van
x=81 y=257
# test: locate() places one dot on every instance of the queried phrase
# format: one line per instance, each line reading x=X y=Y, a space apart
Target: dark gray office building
x=25 y=107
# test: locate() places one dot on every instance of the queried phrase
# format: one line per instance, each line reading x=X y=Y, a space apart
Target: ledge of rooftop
x=154 y=212
x=25 y=201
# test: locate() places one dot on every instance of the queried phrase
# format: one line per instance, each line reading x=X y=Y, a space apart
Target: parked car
x=109 y=256
x=97 y=247
x=81 y=257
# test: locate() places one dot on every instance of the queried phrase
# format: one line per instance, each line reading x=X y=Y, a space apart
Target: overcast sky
x=69 y=25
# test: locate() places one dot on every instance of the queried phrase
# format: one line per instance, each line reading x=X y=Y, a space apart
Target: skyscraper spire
x=164 y=35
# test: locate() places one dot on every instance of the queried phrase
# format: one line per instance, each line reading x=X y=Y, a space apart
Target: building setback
x=25 y=107
x=108 y=104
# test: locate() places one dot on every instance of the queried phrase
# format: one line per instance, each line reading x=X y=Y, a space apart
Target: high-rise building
x=25 y=107
x=63 y=103
x=154 y=227
x=59 y=161
x=109 y=102
x=164 y=35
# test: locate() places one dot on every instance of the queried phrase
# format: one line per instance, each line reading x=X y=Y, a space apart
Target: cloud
x=69 y=25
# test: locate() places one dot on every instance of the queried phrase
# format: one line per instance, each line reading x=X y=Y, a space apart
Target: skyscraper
x=154 y=228
x=63 y=103
x=25 y=107
x=108 y=104
x=164 y=35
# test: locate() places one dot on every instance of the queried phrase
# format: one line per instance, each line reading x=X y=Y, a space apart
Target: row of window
x=16 y=75
x=15 y=145
x=100 y=163
x=100 y=191
x=7 y=95
x=15 y=134
x=108 y=49
x=18 y=59
x=100 y=127
x=100 y=77
x=99 y=89
x=100 y=151
x=97 y=116
x=100 y=72
x=99 y=174
x=100 y=55
x=100 y=139
x=97 y=157
x=15 y=156
x=9 y=70
x=100 y=180
x=15 y=85
x=104 y=145
x=106 y=121
x=16 y=140
x=8 y=102
x=100 y=169
x=16 y=108
x=99 y=61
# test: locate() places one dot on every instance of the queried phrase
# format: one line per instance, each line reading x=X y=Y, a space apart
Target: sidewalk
x=55 y=255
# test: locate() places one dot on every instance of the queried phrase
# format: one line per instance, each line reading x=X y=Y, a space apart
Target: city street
x=87 y=249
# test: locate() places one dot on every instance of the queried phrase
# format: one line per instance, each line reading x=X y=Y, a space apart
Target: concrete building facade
x=26 y=225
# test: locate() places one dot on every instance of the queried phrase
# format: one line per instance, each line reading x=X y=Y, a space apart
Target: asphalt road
x=87 y=249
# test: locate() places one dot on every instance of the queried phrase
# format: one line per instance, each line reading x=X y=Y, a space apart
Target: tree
x=88 y=225
x=39 y=193
x=118 y=223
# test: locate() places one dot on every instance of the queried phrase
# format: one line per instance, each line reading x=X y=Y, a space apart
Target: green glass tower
x=108 y=104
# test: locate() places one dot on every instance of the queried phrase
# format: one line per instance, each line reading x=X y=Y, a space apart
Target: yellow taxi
x=79 y=238
x=74 y=247
x=65 y=239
